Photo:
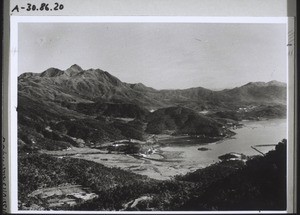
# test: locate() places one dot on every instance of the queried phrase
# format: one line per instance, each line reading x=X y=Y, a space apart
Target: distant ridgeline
x=58 y=109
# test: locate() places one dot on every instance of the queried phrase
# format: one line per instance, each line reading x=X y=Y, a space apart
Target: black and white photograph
x=164 y=115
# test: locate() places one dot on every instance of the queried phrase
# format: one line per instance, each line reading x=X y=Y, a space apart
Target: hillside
x=101 y=117
x=58 y=108
x=181 y=120
x=47 y=125
x=253 y=113
x=259 y=92
x=100 y=108
x=260 y=184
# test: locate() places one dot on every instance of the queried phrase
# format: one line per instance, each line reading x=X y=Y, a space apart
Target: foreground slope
x=260 y=184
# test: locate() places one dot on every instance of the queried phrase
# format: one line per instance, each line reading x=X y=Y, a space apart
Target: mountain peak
x=52 y=72
x=76 y=67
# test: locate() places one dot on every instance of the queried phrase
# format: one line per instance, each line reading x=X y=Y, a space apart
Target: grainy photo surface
x=152 y=116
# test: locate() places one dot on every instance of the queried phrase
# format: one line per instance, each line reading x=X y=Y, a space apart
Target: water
x=253 y=133
x=183 y=156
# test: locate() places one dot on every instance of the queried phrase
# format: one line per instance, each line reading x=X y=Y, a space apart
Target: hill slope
x=184 y=121
x=56 y=106
x=259 y=92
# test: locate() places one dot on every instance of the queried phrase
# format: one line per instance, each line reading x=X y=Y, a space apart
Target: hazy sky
x=159 y=55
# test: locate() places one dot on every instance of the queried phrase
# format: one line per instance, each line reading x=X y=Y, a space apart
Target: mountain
x=53 y=127
x=259 y=92
x=182 y=120
x=77 y=85
x=57 y=108
x=101 y=108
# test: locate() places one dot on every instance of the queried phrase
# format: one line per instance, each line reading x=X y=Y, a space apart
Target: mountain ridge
x=78 y=85
x=93 y=104
x=55 y=72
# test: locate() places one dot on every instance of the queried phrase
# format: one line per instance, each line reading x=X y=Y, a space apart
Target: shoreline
x=168 y=160
x=161 y=165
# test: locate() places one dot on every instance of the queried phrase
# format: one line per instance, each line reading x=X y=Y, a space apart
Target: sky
x=159 y=55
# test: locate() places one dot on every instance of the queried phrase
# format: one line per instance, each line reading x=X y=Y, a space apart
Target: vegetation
x=44 y=128
x=184 y=121
x=131 y=130
x=58 y=109
x=56 y=106
x=260 y=184
x=253 y=112
x=113 y=184
x=109 y=109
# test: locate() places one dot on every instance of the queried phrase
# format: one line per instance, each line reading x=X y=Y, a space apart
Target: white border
x=291 y=116
x=146 y=19
x=13 y=77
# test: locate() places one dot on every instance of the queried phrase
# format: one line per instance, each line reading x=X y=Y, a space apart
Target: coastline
x=170 y=156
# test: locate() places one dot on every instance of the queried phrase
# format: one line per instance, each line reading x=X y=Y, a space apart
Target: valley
x=89 y=129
